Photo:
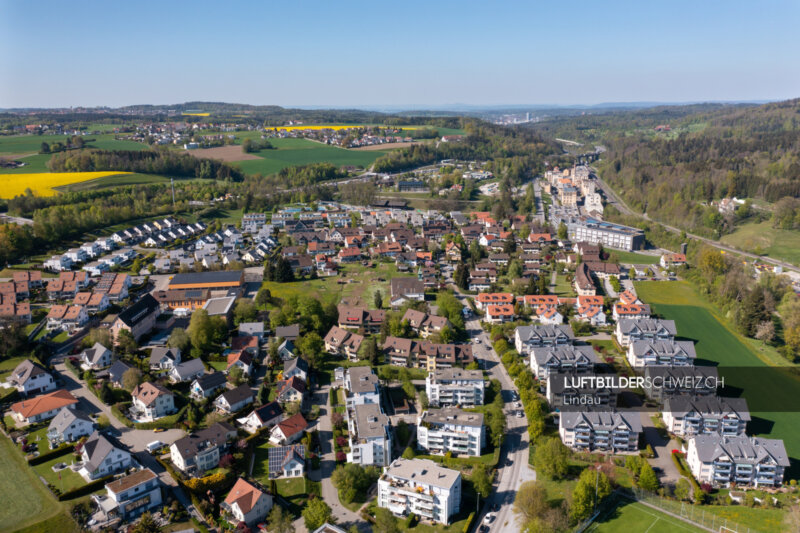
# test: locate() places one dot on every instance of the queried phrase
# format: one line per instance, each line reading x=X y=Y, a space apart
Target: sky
x=410 y=53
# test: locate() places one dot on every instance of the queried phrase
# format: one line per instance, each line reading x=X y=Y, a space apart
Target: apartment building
x=422 y=487
x=451 y=430
x=361 y=386
x=606 y=431
x=562 y=358
x=745 y=461
x=608 y=234
x=663 y=381
x=370 y=436
x=450 y=387
x=648 y=329
x=687 y=416
x=661 y=353
x=526 y=338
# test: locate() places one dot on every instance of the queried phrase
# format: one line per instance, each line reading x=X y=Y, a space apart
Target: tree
x=236 y=375
x=551 y=458
x=99 y=335
x=682 y=489
x=316 y=513
x=45 y=148
x=263 y=297
x=126 y=342
x=131 y=378
x=283 y=271
x=279 y=521
x=369 y=351
x=311 y=346
x=409 y=453
x=562 y=231
x=146 y=524
x=378 y=300
x=592 y=487
x=481 y=481
x=245 y=311
x=385 y=522
x=179 y=339
x=200 y=330
x=531 y=501
x=263 y=394
x=765 y=331
x=647 y=478
x=461 y=277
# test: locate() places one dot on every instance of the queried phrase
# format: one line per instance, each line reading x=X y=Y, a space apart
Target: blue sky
x=429 y=53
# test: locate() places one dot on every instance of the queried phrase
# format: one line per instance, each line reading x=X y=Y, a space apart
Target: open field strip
x=43 y=183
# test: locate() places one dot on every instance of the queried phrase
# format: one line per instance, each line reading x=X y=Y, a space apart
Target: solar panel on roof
x=278 y=455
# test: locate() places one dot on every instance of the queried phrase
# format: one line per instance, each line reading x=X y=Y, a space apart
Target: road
x=512 y=469
x=616 y=201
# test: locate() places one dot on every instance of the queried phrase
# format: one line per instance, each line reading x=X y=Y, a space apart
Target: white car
x=489 y=518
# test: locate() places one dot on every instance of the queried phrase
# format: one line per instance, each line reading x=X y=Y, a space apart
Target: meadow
x=117 y=180
x=718 y=344
x=637 y=517
x=43 y=183
x=763 y=239
x=292 y=152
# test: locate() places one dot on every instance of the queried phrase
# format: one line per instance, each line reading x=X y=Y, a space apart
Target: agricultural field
x=763 y=239
x=25 y=499
x=717 y=343
x=292 y=152
x=634 y=258
x=231 y=152
x=44 y=183
x=116 y=180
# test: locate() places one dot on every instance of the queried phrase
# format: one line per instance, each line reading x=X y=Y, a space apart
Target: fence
x=696 y=514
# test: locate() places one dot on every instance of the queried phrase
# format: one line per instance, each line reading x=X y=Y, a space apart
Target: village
x=211 y=372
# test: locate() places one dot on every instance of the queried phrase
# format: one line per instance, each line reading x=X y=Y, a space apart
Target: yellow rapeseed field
x=42 y=184
x=196 y=114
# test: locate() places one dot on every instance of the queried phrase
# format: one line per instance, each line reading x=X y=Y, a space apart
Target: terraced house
x=526 y=338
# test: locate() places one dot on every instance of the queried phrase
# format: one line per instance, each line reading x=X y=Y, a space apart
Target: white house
x=200 y=451
x=234 y=400
x=454 y=387
x=370 y=435
x=246 y=503
x=96 y=357
x=68 y=426
x=163 y=358
x=152 y=401
x=130 y=496
x=422 y=487
x=30 y=378
x=102 y=457
x=289 y=460
x=607 y=431
x=207 y=385
x=187 y=371
x=289 y=430
x=264 y=416
x=451 y=430
x=687 y=416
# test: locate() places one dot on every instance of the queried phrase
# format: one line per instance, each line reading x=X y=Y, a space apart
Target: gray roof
x=665 y=348
x=189 y=368
x=160 y=352
x=403 y=286
x=709 y=406
x=288 y=332
x=240 y=393
x=219 y=306
x=362 y=379
x=458 y=374
x=423 y=471
x=268 y=411
x=116 y=370
x=26 y=370
x=454 y=416
x=94 y=353
x=211 y=381
x=370 y=421
x=251 y=328
x=544 y=333
x=65 y=417
x=216 y=435
x=296 y=362
x=564 y=354
x=97 y=447
x=647 y=325
x=602 y=420
x=740 y=449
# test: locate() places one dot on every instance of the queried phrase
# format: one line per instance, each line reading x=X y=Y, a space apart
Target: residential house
x=451 y=430
x=247 y=504
x=630 y=311
x=139 y=318
x=528 y=337
x=116 y=371
x=234 y=400
x=295 y=367
x=288 y=430
x=261 y=417
x=561 y=358
x=602 y=430
x=152 y=401
x=497 y=298
x=289 y=333
x=101 y=456
x=672 y=260
x=680 y=380
x=200 y=451
x=745 y=461
x=130 y=496
x=584 y=284
x=254 y=329
x=207 y=385
x=30 y=377
x=361 y=386
x=341 y=342
x=455 y=387
x=96 y=357
x=406 y=289
x=240 y=359
x=661 y=353
x=291 y=390
x=68 y=426
x=43 y=407
x=289 y=461
x=368 y=320
x=499 y=313
x=424 y=324
x=187 y=371
x=421 y=487
x=590 y=309
x=370 y=435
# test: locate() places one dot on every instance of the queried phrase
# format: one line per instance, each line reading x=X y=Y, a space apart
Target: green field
x=634 y=258
x=114 y=181
x=291 y=152
x=718 y=344
x=25 y=499
x=763 y=239
x=634 y=517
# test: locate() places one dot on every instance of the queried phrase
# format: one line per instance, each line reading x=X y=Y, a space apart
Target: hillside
x=742 y=151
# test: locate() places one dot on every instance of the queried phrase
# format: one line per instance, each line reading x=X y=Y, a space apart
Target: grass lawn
x=763 y=239
x=60 y=523
x=26 y=500
x=564 y=287
x=637 y=517
x=7 y=365
x=717 y=343
x=291 y=152
x=69 y=479
x=219 y=366
x=225 y=216
x=293 y=486
x=633 y=257
x=261 y=463
x=33 y=163
x=328 y=289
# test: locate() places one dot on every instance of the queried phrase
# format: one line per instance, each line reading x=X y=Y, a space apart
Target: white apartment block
x=451 y=430
x=586 y=229
x=422 y=487
x=606 y=431
x=687 y=416
x=452 y=387
x=361 y=386
x=749 y=461
x=370 y=435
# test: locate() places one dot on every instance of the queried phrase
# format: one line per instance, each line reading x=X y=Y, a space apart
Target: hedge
x=470 y=519
x=58 y=452
x=117 y=412
x=86 y=489
x=167 y=422
x=72 y=368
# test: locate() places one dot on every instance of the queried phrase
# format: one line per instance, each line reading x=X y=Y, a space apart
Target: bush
x=334 y=396
x=341 y=457
x=215 y=482
x=410 y=521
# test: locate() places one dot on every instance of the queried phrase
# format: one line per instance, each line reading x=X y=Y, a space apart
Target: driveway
x=662 y=447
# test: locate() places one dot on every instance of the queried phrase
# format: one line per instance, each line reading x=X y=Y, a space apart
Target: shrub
x=341 y=457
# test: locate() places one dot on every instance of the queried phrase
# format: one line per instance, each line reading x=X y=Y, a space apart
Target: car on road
x=489 y=518
x=509 y=462
x=519 y=414
x=158 y=430
x=483 y=529
x=154 y=446
x=495 y=507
